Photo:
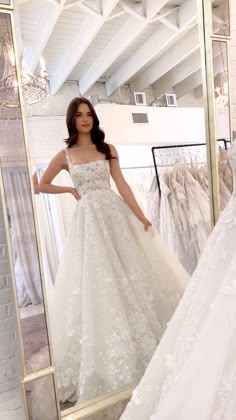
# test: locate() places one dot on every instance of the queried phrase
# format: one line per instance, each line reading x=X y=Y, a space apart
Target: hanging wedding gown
x=192 y=375
x=117 y=286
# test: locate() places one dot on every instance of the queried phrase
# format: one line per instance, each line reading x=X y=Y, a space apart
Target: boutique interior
x=160 y=75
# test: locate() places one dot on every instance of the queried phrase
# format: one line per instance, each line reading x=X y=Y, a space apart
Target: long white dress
x=192 y=375
x=116 y=288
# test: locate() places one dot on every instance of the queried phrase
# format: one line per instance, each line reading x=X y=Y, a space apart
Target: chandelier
x=35 y=88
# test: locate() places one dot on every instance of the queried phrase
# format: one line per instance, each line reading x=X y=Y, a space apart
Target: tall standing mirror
x=221 y=17
x=11 y=368
x=16 y=183
x=140 y=66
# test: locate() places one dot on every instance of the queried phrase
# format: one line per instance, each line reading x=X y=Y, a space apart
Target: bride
x=117 y=285
x=192 y=375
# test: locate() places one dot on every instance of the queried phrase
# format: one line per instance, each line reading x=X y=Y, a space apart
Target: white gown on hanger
x=116 y=288
x=192 y=375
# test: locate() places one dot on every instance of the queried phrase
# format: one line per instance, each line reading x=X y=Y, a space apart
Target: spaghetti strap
x=67 y=156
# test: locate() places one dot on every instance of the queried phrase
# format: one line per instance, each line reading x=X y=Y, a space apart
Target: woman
x=192 y=375
x=117 y=285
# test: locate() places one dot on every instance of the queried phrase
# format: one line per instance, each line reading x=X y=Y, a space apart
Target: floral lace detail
x=192 y=374
x=89 y=176
x=114 y=292
x=196 y=302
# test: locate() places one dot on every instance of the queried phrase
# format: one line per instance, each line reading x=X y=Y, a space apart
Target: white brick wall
x=9 y=344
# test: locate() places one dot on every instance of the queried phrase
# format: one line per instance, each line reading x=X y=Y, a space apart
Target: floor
x=35 y=341
x=11 y=405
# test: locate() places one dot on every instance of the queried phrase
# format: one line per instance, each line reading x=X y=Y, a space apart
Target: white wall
x=166 y=125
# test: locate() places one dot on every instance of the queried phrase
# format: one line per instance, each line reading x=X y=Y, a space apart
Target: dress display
x=192 y=375
x=116 y=288
x=181 y=211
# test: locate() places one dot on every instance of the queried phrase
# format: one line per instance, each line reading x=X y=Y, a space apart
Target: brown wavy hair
x=97 y=134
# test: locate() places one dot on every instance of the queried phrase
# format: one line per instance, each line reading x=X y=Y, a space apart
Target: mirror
x=222 y=118
x=17 y=189
x=221 y=17
x=140 y=67
x=151 y=102
x=11 y=369
x=40 y=397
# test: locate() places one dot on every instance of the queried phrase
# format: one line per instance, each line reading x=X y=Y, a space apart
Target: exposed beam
x=187 y=85
x=135 y=12
x=123 y=38
x=176 y=54
x=177 y=74
x=198 y=91
x=218 y=20
x=195 y=80
x=220 y=13
x=41 y=37
x=115 y=15
x=73 y=3
x=166 y=11
x=171 y=22
x=152 y=7
x=83 y=7
x=76 y=49
x=151 y=47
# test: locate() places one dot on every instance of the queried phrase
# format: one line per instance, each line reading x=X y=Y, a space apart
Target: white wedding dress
x=192 y=375
x=116 y=288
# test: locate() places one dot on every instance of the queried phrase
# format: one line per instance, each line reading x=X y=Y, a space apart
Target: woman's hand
x=146 y=223
x=75 y=193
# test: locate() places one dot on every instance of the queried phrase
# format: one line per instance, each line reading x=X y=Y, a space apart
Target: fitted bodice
x=91 y=176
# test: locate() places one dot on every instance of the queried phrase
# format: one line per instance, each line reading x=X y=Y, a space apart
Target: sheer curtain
x=50 y=236
x=22 y=230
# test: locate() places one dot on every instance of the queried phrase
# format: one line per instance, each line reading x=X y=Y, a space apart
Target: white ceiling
x=142 y=43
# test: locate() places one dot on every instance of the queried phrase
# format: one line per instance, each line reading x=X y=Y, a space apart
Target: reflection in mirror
x=221 y=17
x=144 y=97
x=17 y=190
x=11 y=401
x=222 y=118
x=40 y=399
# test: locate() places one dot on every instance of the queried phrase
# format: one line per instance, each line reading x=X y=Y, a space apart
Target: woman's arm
x=35 y=183
x=57 y=164
x=124 y=188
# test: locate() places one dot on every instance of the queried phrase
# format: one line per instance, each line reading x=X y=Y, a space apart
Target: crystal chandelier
x=34 y=87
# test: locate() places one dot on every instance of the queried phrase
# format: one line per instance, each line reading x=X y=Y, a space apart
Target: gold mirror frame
x=28 y=379
x=8 y=4
x=206 y=37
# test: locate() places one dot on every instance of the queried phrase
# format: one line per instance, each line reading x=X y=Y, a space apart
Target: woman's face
x=83 y=119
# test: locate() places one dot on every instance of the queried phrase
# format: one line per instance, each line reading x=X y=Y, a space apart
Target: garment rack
x=137 y=167
x=175 y=146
